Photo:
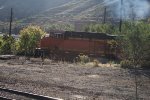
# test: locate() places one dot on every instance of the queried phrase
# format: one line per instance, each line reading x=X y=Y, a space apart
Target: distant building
x=13 y=35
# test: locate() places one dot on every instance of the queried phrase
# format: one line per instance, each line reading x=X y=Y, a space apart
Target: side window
x=58 y=36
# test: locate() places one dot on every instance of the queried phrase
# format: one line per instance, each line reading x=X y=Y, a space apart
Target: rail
x=26 y=94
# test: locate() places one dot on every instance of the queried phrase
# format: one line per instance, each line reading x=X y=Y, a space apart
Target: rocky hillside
x=78 y=9
x=73 y=9
x=26 y=8
x=94 y=9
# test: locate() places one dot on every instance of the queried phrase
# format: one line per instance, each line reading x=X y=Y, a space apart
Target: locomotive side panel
x=96 y=47
x=44 y=43
x=51 y=43
x=76 y=45
x=99 y=47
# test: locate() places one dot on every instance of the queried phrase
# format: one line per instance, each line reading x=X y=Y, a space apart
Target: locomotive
x=70 y=43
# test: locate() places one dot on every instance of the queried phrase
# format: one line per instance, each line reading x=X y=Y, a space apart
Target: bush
x=103 y=28
x=83 y=58
x=145 y=64
x=95 y=63
x=29 y=39
x=6 y=44
x=136 y=43
x=126 y=64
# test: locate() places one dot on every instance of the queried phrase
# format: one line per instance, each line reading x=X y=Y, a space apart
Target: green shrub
x=126 y=64
x=6 y=44
x=83 y=58
x=29 y=39
x=135 y=44
x=145 y=64
x=95 y=63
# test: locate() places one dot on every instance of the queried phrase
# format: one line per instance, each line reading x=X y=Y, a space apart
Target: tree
x=6 y=44
x=102 y=28
x=29 y=38
x=60 y=26
x=136 y=43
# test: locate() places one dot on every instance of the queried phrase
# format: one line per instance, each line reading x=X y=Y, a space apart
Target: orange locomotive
x=78 y=42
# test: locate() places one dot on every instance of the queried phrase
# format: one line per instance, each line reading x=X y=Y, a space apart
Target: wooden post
x=133 y=14
x=11 y=19
x=104 y=21
x=120 y=24
x=136 y=82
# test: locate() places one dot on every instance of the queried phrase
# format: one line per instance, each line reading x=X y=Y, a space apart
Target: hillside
x=26 y=8
x=94 y=9
x=78 y=9
x=49 y=11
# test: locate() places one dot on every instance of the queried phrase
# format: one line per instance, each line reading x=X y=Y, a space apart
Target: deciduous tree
x=29 y=38
x=136 y=43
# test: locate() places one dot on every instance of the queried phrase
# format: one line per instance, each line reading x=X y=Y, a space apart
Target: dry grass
x=68 y=80
x=95 y=64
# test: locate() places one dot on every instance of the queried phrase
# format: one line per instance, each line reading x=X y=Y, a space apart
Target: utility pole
x=133 y=14
x=11 y=19
x=120 y=24
x=104 y=21
x=135 y=66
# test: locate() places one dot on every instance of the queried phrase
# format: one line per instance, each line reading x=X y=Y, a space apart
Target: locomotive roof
x=89 y=35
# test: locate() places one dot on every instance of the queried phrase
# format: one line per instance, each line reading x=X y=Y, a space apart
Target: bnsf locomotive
x=69 y=42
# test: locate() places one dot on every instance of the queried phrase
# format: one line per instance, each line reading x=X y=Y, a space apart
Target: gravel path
x=74 y=82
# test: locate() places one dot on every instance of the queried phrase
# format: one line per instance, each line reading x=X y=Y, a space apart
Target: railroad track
x=25 y=94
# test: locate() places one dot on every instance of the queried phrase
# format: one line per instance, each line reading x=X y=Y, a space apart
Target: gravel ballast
x=73 y=81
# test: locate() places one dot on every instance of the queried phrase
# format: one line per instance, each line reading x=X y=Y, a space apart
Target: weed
x=83 y=59
x=126 y=64
x=95 y=63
